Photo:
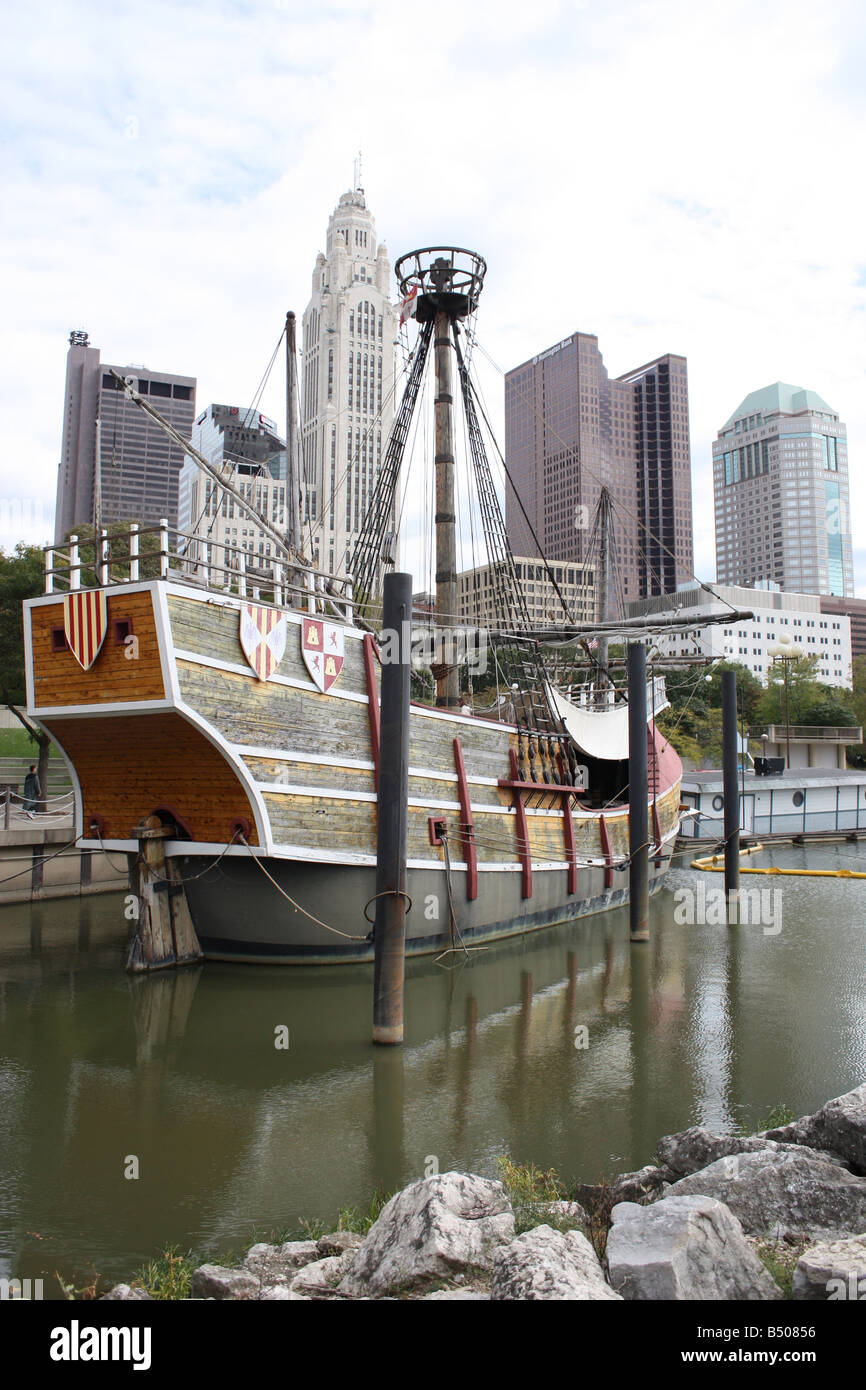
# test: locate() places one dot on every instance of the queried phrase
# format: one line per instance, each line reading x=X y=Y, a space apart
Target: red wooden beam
x=467 y=826
x=605 y=844
x=568 y=835
x=517 y=788
x=370 y=653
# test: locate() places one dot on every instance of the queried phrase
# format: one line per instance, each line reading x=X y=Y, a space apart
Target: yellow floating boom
x=715 y=864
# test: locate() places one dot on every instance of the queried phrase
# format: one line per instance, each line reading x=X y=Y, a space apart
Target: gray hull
x=241 y=916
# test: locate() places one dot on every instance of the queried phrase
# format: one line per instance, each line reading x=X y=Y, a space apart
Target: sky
x=672 y=177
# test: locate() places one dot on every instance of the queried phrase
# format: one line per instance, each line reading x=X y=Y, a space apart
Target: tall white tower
x=349 y=366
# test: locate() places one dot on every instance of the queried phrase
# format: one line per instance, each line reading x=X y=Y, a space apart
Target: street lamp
x=785 y=651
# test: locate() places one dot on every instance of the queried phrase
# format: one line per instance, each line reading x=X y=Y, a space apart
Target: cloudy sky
x=670 y=176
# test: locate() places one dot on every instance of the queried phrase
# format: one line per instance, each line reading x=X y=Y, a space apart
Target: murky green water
x=236 y=1138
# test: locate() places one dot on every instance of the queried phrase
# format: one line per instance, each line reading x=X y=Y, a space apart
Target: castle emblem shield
x=323 y=650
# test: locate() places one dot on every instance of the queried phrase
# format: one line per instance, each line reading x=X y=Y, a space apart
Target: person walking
x=32 y=791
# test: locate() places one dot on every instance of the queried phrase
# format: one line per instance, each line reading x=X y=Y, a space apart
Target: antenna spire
x=359 y=188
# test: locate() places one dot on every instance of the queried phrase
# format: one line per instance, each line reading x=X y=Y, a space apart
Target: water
x=237 y=1139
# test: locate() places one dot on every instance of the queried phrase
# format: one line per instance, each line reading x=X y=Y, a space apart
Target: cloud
x=669 y=178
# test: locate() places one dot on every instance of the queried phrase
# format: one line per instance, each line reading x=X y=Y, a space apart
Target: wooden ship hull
x=271 y=787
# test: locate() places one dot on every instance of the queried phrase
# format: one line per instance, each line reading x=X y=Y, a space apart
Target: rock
x=566 y=1211
x=646 y=1185
x=215 y=1281
x=832 y=1271
x=126 y=1293
x=683 y=1248
x=338 y=1242
x=839 y=1126
x=430 y=1230
x=696 y=1148
x=453 y=1295
x=548 y=1264
x=274 y=1293
x=278 y=1264
x=782 y=1192
x=323 y=1276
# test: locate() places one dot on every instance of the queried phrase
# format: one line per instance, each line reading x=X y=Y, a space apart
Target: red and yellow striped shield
x=263 y=638
x=85 y=621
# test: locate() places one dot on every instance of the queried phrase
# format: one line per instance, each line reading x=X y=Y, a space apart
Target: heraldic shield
x=263 y=638
x=323 y=649
x=85 y=622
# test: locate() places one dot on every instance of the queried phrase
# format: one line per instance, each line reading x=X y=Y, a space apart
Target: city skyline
x=175 y=233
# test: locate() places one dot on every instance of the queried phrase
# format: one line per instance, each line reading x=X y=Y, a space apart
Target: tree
x=803 y=690
x=22 y=575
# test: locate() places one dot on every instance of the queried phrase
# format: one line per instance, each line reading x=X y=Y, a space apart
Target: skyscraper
x=114 y=461
x=246 y=444
x=348 y=381
x=780 y=476
x=570 y=429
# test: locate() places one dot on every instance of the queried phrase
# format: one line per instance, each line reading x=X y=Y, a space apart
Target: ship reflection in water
x=571 y=1049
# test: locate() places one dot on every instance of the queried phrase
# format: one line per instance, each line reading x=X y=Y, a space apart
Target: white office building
x=795 y=619
x=348 y=379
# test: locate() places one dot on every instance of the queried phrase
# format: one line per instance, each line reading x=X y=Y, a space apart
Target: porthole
x=718 y=803
x=798 y=798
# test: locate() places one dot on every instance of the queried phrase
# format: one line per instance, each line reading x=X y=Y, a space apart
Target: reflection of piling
x=731 y=791
x=165 y=934
x=393 y=801
x=638 y=818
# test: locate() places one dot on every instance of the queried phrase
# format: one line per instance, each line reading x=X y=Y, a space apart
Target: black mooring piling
x=391 y=900
x=638 y=818
x=731 y=791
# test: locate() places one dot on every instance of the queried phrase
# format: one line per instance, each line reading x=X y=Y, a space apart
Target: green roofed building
x=780 y=478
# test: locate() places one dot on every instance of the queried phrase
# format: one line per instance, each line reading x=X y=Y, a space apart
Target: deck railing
x=807 y=733
x=161 y=552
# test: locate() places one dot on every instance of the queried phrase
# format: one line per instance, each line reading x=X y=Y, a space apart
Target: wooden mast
x=448 y=682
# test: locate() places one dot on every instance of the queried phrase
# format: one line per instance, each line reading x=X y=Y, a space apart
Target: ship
x=220 y=718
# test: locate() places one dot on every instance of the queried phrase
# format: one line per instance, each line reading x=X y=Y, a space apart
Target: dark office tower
x=115 y=462
x=571 y=429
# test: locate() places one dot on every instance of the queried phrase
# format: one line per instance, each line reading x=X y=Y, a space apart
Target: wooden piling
x=731 y=789
x=165 y=935
x=393 y=804
x=638 y=816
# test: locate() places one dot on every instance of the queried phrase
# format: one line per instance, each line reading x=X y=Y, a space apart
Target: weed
x=532 y=1191
x=169 y=1275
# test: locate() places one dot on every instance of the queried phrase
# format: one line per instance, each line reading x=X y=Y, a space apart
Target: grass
x=780 y=1257
x=169 y=1275
x=17 y=743
x=532 y=1191
x=360 y=1219
x=779 y=1115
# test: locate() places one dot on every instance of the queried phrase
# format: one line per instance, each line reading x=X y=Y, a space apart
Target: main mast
x=445 y=282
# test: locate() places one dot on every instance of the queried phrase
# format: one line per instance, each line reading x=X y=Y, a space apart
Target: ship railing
x=132 y=553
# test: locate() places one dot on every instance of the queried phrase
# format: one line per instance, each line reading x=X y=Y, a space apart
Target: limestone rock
x=323 y=1276
x=275 y=1293
x=215 y=1281
x=126 y=1293
x=432 y=1229
x=278 y=1264
x=782 y=1192
x=832 y=1271
x=683 y=1248
x=548 y=1264
x=567 y=1211
x=839 y=1126
x=693 y=1149
x=646 y=1185
x=454 y=1295
x=338 y=1242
